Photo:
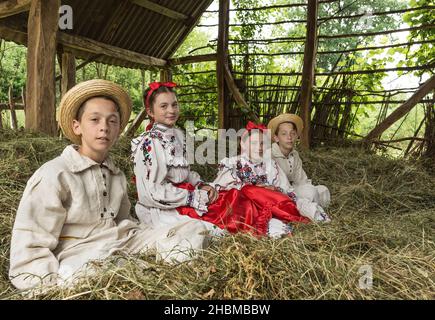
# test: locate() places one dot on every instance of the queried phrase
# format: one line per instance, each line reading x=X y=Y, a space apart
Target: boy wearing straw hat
x=75 y=208
x=285 y=130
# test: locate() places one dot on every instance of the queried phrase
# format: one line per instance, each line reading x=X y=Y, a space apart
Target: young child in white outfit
x=75 y=208
x=285 y=130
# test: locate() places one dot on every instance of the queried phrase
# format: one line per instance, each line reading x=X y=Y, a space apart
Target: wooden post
x=222 y=60
x=23 y=98
x=308 y=71
x=165 y=75
x=68 y=72
x=41 y=52
x=14 y=124
x=426 y=88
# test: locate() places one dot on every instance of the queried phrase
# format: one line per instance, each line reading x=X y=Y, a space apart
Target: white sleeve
x=194 y=178
x=38 y=224
x=124 y=209
x=299 y=175
x=150 y=170
x=227 y=177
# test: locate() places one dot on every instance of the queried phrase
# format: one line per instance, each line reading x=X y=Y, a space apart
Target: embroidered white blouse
x=159 y=157
x=235 y=172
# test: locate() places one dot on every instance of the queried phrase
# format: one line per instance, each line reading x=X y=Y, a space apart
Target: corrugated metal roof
x=126 y=25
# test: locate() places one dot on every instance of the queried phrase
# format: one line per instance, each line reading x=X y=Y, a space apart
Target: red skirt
x=247 y=210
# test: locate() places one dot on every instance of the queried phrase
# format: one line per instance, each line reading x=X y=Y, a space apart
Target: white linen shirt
x=74 y=210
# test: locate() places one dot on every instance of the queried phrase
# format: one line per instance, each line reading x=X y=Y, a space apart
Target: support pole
x=41 y=52
x=68 y=72
x=222 y=61
x=308 y=72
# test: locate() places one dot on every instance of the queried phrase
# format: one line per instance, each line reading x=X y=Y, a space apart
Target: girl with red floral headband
x=160 y=164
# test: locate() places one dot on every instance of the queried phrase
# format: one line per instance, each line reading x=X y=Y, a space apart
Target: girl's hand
x=212 y=193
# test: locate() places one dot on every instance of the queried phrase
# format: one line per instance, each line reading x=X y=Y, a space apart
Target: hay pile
x=383 y=214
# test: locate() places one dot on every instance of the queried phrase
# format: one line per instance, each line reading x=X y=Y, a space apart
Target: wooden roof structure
x=128 y=33
x=146 y=33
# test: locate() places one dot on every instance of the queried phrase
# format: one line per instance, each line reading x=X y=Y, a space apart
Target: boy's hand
x=212 y=193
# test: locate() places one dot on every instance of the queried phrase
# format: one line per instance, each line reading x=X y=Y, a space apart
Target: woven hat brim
x=286 y=117
x=74 y=98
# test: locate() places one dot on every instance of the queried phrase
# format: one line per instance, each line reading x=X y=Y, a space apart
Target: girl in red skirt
x=254 y=193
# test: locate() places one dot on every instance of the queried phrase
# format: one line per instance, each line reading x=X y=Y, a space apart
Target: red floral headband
x=154 y=86
x=251 y=126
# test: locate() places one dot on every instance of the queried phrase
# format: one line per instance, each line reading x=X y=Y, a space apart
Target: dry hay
x=383 y=214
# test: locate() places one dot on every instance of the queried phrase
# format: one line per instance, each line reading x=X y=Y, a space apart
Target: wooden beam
x=136 y=123
x=222 y=60
x=308 y=71
x=68 y=72
x=41 y=52
x=12 y=34
x=17 y=106
x=88 y=45
x=160 y=9
x=426 y=88
x=14 y=122
x=13 y=7
x=193 y=59
x=237 y=95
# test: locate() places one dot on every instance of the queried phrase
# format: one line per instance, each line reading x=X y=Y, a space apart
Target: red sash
x=246 y=210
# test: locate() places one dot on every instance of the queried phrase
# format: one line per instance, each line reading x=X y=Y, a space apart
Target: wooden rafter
x=160 y=9
x=193 y=59
x=88 y=45
x=426 y=88
x=13 y=7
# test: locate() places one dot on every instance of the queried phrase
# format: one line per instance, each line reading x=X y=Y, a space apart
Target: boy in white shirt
x=285 y=130
x=75 y=208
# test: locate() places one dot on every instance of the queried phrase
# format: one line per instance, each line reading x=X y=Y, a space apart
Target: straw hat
x=286 y=117
x=74 y=98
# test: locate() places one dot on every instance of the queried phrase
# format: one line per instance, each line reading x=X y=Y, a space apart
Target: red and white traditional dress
x=160 y=164
x=243 y=205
